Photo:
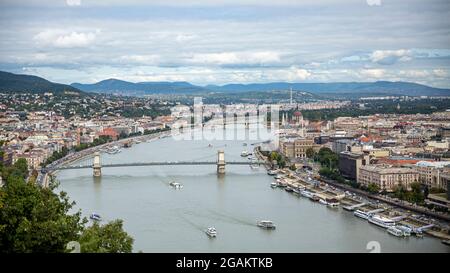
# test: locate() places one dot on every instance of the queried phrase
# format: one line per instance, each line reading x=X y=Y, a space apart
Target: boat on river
x=381 y=221
x=395 y=231
x=176 y=185
x=95 y=216
x=211 y=232
x=266 y=224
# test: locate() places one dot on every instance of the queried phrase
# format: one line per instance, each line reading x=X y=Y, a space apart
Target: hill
x=16 y=83
x=350 y=89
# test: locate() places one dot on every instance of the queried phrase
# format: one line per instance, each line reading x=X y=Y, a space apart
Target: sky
x=220 y=42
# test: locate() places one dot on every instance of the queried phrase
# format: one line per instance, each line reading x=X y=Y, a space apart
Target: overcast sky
x=218 y=42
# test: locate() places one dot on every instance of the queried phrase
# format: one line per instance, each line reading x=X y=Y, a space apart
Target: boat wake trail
x=199 y=227
x=231 y=218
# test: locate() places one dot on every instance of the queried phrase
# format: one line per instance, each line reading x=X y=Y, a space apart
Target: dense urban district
x=394 y=150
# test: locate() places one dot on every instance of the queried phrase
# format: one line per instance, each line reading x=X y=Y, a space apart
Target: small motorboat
x=176 y=185
x=244 y=153
x=266 y=224
x=96 y=217
x=271 y=172
x=211 y=232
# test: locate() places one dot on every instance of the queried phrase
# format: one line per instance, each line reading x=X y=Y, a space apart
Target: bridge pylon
x=220 y=162
x=96 y=165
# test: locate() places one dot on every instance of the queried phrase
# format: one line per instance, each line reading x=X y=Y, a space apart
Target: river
x=162 y=219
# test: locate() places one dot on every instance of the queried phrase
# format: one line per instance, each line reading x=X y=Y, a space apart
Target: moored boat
x=381 y=221
x=333 y=203
x=306 y=193
x=273 y=185
x=361 y=214
x=314 y=197
x=395 y=231
x=406 y=230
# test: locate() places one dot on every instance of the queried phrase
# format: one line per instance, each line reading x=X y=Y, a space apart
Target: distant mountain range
x=140 y=88
x=15 y=83
x=10 y=82
x=366 y=88
x=374 y=88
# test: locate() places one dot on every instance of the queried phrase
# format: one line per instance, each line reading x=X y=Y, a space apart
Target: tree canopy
x=36 y=219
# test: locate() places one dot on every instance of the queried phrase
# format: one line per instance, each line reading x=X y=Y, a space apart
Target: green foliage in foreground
x=35 y=219
x=109 y=238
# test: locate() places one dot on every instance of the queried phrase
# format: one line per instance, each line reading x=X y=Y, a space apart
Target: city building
x=350 y=163
x=296 y=148
x=387 y=177
x=430 y=173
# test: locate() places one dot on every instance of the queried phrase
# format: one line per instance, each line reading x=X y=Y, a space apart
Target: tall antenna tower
x=291 y=95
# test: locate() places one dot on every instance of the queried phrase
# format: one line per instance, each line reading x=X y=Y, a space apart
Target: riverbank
x=325 y=189
x=76 y=156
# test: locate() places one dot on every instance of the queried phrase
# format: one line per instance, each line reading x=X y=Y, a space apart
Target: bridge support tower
x=96 y=166
x=220 y=162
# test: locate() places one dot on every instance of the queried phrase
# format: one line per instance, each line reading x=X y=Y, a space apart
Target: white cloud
x=373 y=2
x=296 y=74
x=58 y=38
x=441 y=73
x=185 y=37
x=140 y=59
x=373 y=73
x=235 y=58
x=73 y=2
x=388 y=57
x=414 y=74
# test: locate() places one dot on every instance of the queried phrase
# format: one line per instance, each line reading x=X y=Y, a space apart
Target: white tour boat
x=211 y=232
x=395 y=231
x=381 y=221
x=266 y=224
x=361 y=214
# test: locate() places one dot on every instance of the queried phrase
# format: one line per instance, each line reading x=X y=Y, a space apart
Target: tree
x=35 y=219
x=109 y=238
x=310 y=152
x=373 y=188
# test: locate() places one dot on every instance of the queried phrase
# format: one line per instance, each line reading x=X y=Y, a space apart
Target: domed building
x=298 y=117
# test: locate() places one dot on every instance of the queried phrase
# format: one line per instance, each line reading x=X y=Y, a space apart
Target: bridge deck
x=157 y=164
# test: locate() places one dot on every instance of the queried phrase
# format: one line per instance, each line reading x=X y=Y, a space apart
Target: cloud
x=441 y=73
x=73 y=2
x=296 y=74
x=388 y=57
x=140 y=59
x=373 y=2
x=184 y=37
x=57 y=38
x=235 y=58
x=373 y=73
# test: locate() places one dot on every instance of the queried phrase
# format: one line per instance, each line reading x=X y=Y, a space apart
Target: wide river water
x=162 y=219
